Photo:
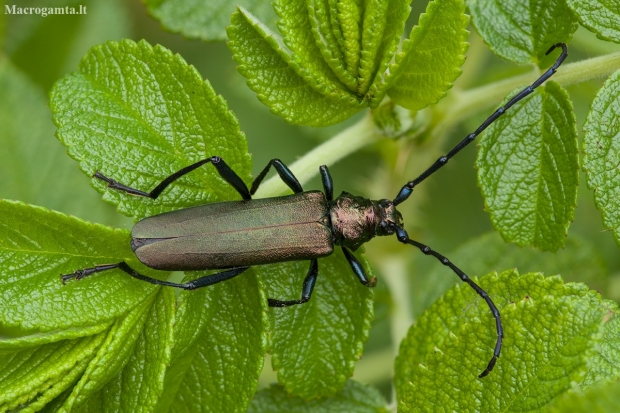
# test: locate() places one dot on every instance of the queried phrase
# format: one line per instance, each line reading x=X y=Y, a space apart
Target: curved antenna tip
x=555 y=46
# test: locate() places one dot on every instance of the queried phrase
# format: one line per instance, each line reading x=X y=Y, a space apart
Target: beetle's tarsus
x=489 y=367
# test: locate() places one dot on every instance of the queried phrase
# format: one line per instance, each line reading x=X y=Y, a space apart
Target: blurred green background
x=446 y=212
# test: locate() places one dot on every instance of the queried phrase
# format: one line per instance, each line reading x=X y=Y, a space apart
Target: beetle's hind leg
x=306 y=289
x=190 y=285
x=79 y=274
x=222 y=168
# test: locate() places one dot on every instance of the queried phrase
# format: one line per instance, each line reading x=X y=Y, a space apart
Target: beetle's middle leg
x=222 y=168
x=285 y=174
x=358 y=270
x=190 y=285
x=306 y=289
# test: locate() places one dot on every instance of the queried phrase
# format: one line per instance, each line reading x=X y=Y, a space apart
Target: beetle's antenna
x=408 y=188
x=404 y=238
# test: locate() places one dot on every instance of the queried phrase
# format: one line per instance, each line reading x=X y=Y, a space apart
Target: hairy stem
x=471 y=101
x=460 y=106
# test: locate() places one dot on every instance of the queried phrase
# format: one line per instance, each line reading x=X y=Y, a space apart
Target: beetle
x=235 y=235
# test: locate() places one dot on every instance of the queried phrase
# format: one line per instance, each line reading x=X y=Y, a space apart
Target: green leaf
x=374 y=24
x=34 y=167
x=333 y=56
x=31 y=377
x=304 y=56
x=528 y=169
x=111 y=356
x=552 y=331
x=220 y=340
x=204 y=19
x=128 y=372
x=579 y=260
x=322 y=20
x=602 y=365
x=137 y=114
x=603 y=398
x=523 y=31
x=37 y=246
x=346 y=16
x=46 y=48
x=599 y=16
x=36 y=339
x=354 y=398
x=601 y=148
x=265 y=62
x=315 y=345
x=378 y=48
x=430 y=59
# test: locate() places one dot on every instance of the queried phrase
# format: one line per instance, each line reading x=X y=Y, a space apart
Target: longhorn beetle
x=304 y=226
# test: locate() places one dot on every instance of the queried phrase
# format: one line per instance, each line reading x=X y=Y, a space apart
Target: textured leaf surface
x=430 y=58
x=128 y=372
x=204 y=19
x=32 y=377
x=333 y=55
x=354 y=398
x=603 y=398
x=111 y=356
x=137 y=114
x=326 y=32
x=375 y=58
x=265 y=63
x=523 y=31
x=602 y=365
x=601 y=147
x=599 y=16
x=37 y=246
x=305 y=56
x=528 y=169
x=315 y=345
x=220 y=344
x=33 y=166
x=551 y=340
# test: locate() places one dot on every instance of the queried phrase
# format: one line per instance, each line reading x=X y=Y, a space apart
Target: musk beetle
x=235 y=235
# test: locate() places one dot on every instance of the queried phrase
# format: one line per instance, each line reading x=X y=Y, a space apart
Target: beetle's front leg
x=306 y=289
x=222 y=168
x=358 y=270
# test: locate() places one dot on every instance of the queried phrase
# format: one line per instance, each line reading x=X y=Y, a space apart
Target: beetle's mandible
x=304 y=226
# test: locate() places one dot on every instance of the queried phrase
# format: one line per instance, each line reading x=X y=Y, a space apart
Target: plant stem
x=462 y=105
x=471 y=101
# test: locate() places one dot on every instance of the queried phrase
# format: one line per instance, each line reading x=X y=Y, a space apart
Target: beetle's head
x=390 y=218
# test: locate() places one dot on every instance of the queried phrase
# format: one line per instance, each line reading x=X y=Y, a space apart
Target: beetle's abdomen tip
x=140 y=242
